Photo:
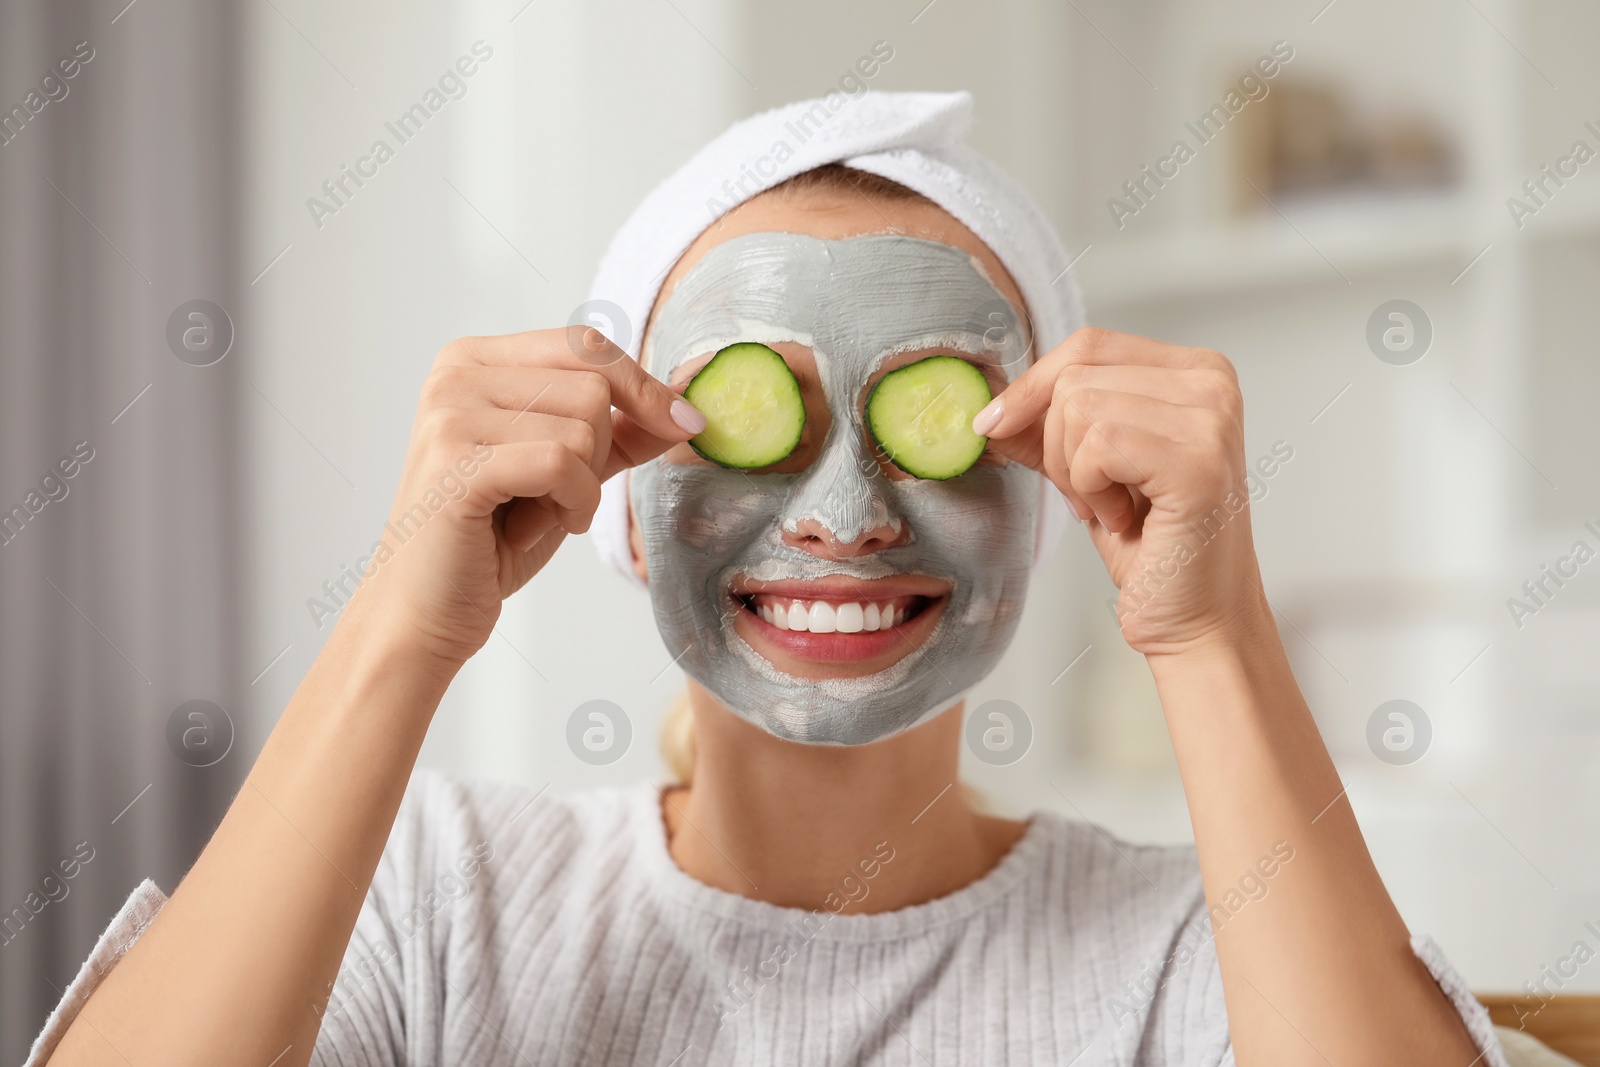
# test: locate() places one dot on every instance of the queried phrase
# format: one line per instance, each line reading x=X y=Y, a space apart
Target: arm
x=1145 y=440
x=238 y=962
x=1321 y=968
x=513 y=438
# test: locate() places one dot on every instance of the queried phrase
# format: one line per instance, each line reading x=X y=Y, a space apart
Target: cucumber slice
x=752 y=404
x=921 y=415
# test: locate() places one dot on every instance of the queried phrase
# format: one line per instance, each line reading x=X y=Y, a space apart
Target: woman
x=814 y=891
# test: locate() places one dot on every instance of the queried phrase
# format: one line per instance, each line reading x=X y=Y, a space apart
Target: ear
x=636 y=544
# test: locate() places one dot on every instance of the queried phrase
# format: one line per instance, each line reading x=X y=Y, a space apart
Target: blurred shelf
x=1327 y=240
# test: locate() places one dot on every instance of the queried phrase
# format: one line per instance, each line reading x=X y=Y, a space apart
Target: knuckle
x=1233 y=407
x=1221 y=392
x=591 y=493
x=456 y=352
x=1091 y=401
x=442 y=383
x=1056 y=467
x=1091 y=338
x=586 y=438
x=590 y=345
x=592 y=390
x=1104 y=432
x=1064 y=389
x=575 y=339
x=1222 y=363
x=639 y=383
x=550 y=456
x=1219 y=425
x=445 y=425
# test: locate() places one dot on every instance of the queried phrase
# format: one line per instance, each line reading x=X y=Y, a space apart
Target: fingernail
x=1070 y=509
x=685 y=415
x=989 y=417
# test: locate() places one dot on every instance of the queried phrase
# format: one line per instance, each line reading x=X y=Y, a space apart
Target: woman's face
x=753 y=572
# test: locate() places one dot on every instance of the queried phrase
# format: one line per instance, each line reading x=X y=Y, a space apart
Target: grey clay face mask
x=854 y=302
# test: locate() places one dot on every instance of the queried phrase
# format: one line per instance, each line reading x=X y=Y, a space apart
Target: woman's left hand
x=1146 y=441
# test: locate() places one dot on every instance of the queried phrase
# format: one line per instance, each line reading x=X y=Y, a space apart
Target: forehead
x=855 y=300
x=835 y=216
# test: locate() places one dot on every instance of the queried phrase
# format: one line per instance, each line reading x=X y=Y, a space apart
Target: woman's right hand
x=512 y=439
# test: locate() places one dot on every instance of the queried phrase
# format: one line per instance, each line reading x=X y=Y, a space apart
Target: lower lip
x=839 y=647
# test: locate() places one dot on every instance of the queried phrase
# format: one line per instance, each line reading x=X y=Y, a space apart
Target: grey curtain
x=121 y=584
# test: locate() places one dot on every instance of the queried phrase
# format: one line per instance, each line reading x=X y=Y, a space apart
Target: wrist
x=371 y=645
x=1246 y=632
x=360 y=714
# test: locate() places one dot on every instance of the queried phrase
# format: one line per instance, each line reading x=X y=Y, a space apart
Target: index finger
x=646 y=400
x=1028 y=397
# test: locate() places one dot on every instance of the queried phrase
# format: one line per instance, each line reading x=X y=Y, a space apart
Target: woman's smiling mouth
x=861 y=625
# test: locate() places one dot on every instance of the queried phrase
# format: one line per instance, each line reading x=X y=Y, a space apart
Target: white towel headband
x=915 y=139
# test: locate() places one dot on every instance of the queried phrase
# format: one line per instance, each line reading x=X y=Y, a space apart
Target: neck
x=860 y=828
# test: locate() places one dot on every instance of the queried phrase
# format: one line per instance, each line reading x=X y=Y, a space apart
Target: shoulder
x=1102 y=866
x=443 y=803
x=1154 y=878
x=1140 y=910
x=461 y=848
x=447 y=821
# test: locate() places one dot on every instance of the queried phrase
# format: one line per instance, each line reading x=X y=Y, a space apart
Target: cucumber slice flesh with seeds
x=921 y=415
x=752 y=404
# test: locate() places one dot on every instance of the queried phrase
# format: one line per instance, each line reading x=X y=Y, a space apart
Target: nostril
x=817 y=538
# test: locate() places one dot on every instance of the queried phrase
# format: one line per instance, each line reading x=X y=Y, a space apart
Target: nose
x=843 y=507
x=811 y=535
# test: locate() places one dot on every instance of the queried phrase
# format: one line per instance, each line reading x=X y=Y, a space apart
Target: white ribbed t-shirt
x=505 y=927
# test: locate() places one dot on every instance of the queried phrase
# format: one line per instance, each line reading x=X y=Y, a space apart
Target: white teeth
x=826 y=617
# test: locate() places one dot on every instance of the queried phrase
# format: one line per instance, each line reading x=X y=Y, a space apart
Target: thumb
x=631 y=444
x=1025 y=446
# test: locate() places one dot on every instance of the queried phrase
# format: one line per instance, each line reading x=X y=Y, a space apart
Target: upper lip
x=844 y=588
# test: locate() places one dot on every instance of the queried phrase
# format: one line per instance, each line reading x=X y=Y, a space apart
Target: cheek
x=693 y=517
x=985 y=519
x=693 y=521
x=636 y=545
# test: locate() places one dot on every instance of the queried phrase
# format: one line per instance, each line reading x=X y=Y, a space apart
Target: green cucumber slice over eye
x=752 y=404
x=921 y=416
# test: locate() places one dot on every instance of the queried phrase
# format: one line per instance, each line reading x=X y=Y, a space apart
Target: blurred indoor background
x=1438 y=448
